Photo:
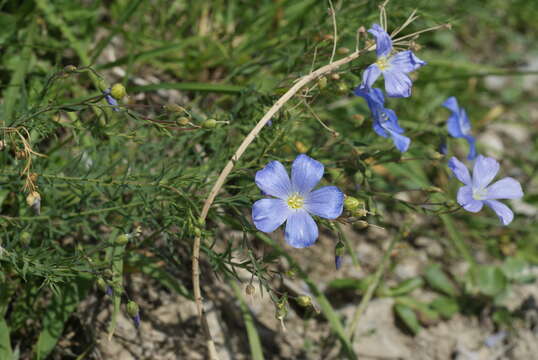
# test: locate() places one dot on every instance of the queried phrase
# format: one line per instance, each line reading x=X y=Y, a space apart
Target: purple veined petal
x=301 y=229
x=326 y=202
x=370 y=75
x=465 y=199
x=269 y=214
x=472 y=147
x=397 y=83
x=405 y=61
x=382 y=40
x=459 y=170
x=503 y=212
x=305 y=174
x=452 y=104
x=273 y=180
x=506 y=188
x=485 y=169
x=400 y=141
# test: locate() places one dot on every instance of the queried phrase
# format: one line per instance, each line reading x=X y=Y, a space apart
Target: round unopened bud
x=174 y=108
x=343 y=50
x=250 y=289
x=358 y=119
x=209 y=124
x=70 y=68
x=361 y=224
x=197 y=232
x=302 y=148
x=322 y=82
x=183 y=121
x=435 y=155
x=101 y=284
x=352 y=203
x=132 y=308
x=335 y=76
x=25 y=238
x=304 y=300
x=122 y=239
x=118 y=91
x=342 y=88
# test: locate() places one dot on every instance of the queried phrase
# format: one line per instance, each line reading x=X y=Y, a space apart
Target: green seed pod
x=343 y=50
x=118 y=91
x=108 y=273
x=122 y=239
x=174 y=108
x=25 y=238
x=250 y=289
x=342 y=88
x=132 y=308
x=304 y=300
x=432 y=189
x=322 y=82
x=209 y=124
x=183 y=121
x=197 y=232
x=361 y=224
x=435 y=155
x=360 y=212
x=351 y=203
x=70 y=68
x=358 y=177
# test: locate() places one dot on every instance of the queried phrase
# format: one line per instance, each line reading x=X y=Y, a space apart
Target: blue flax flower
x=385 y=120
x=459 y=125
x=476 y=193
x=110 y=100
x=393 y=67
x=294 y=201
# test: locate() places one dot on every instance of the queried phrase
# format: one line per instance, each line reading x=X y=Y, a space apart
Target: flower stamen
x=295 y=201
x=382 y=63
x=480 y=194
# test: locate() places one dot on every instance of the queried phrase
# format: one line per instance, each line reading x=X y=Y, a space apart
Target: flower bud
x=304 y=300
x=33 y=177
x=101 y=284
x=108 y=273
x=322 y=82
x=34 y=201
x=360 y=212
x=122 y=239
x=335 y=76
x=301 y=147
x=342 y=88
x=351 y=203
x=25 y=238
x=209 y=124
x=132 y=308
x=339 y=251
x=250 y=289
x=435 y=155
x=358 y=119
x=118 y=91
x=343 y=50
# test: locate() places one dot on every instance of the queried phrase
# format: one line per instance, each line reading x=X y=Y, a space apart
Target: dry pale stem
x=229 y=166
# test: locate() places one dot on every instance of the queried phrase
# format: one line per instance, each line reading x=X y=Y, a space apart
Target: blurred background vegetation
x=68 y=271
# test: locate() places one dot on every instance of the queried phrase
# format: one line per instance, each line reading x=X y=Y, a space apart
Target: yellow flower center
x=295 y=201
x=382 y=63
x=480 y=194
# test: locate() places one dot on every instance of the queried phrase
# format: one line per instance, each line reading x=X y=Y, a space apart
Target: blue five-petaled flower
x=385 y=120
x=476 y=193
x=393 y=67
x=294 y=201
x=459 y=125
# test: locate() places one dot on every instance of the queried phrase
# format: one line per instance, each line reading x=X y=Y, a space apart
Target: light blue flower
x=385 y=120
x=393 y=67
x=294 y=201
x=459 y=125
x=110 y=100
x=476 y=193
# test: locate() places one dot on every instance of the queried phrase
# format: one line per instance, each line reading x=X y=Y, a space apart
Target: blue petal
x=452 y=104
x=506 y=188
x=326 y=202
x=406 y=61
x=379 y=129
x=273 y=180
x=301 y=230
x=401 y=142
x=459 y=170
x=370 y=75
x=305 y=174
x=269 y=214
x=338 y=261
x=397 y=83
x=382 y=40
x=503 y=212
x=472 y=147
x=465 y=199
x=453 y=126
x=485 y=169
